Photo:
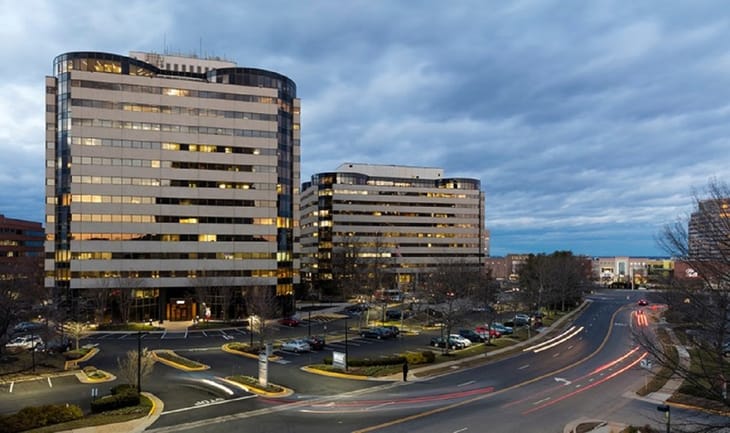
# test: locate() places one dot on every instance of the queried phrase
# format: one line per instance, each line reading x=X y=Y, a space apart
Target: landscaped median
x=172 y=359
x=82 y=354
x=246 y=350
x=251 y=384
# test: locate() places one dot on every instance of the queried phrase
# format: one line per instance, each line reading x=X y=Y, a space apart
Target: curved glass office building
x=171 y=186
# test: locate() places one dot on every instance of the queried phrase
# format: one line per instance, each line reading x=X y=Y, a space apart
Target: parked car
x=463 y=340
x=521 y=319
x=58 y=345
x=504 y=330
x=297 y=345
x=472 y=336
x=378 y=333
x=25 y=327
x=484 y=330
x=393 y=314
x=394 y=329
x=25 y=342
x=441 y=342
x=289 y=321
x=356 y=309
x=316 y=342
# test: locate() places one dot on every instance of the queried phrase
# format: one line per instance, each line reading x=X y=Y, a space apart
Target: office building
x=404 y=221
x=21 y=255
x=171 y=182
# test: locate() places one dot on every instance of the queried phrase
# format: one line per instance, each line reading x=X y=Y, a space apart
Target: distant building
x=21 y=253
x=632 y=272
x=709 y=230
x=173 y=177
x=409 y=219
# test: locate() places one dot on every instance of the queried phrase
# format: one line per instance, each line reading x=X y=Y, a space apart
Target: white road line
x=524 y=367
x=541 y=401
x=215 y=403
x=378 y=406
x=50 y=385
x=461 y=430
x=11 y=387
x=465 y=383
x=164 y=333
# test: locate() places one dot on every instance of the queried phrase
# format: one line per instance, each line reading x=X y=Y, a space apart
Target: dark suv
x=379 y=333
x=471 y=335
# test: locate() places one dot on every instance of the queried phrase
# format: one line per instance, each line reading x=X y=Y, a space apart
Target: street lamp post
x=346 y=360
x=665 y=408
x=309 y=323
x=139 y=362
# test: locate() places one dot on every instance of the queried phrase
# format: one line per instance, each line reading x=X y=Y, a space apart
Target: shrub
x=115 y=401
x=125 y=387
x=38 y=416
x=89 y=369
x=424 y=357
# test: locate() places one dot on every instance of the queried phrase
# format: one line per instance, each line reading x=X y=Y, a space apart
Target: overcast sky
x=589 y=123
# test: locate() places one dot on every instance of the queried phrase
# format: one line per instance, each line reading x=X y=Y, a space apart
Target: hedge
x=119 y=400
x=414 y=358
x=38 y=416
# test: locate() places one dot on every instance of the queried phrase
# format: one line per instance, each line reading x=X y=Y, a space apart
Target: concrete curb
x=136 y=425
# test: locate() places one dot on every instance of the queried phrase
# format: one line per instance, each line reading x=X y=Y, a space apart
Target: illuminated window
x=207 y=238
x=188 y=220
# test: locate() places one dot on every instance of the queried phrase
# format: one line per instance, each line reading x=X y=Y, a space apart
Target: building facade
x=709 y=231
x=398 y=221
x=21 y=254
x=171 y=182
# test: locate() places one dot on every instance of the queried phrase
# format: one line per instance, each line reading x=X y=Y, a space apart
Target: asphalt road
x=586 y=375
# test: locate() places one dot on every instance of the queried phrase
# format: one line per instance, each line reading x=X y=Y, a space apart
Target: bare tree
x=700 y=244
x=262 y=307
x=19 y=290
x=348 y=268
x=100 y=298
x=76 y=330
x=128 y=365
x=124 y=292
x=452 y=286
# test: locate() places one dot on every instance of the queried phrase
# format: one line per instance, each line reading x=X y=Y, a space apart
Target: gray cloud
x=589 y=124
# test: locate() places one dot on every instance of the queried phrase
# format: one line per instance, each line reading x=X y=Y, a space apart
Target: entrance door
x=180 y=310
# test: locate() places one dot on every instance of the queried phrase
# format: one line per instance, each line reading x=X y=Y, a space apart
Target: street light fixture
x=139 y=361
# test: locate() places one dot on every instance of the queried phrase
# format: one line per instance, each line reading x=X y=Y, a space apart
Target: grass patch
x=177 y=359
x=110 y=417
x=252 y=382
x=663 y=375
x=22 y=362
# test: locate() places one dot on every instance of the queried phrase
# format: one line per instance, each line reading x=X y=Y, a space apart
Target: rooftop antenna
x=164 y=43
x=200 y=49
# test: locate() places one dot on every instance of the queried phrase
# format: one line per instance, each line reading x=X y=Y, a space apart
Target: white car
x=25 y=342
x=461 y=339
x=296 y=346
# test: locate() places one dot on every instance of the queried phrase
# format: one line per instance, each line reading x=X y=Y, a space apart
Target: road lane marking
x=11 y=387
x=465 y=383
x=213 y=403
x=524 y=367
x=50 y=385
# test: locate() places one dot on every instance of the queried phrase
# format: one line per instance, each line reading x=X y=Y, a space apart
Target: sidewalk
x=658 y=397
